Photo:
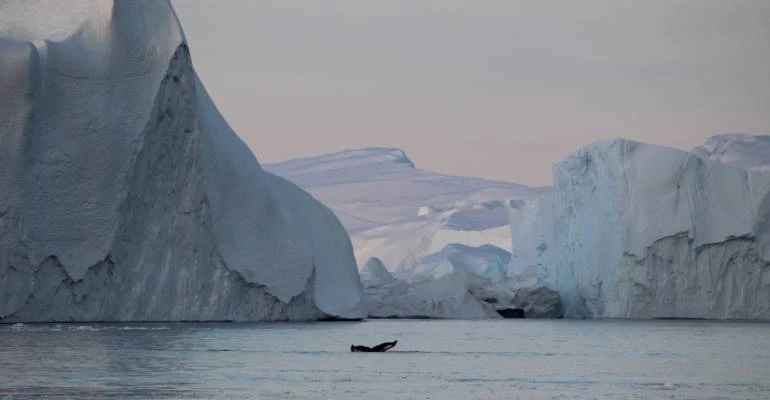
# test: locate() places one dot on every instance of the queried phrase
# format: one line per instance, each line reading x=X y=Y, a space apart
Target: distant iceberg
x=399 y=213
x=457 y=282
x=629 y=230
x=124 y=195
x=428 y=245
x=485 y=261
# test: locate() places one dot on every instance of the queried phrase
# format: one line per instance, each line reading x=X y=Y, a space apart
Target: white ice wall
x=646 y=231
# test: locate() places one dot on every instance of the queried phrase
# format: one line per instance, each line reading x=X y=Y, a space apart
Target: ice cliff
x=124 y=195
x=642 y=231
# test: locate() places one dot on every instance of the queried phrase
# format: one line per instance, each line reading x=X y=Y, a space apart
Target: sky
x=498 y=89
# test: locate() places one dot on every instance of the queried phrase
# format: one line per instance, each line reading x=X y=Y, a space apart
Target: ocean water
x=434 y=359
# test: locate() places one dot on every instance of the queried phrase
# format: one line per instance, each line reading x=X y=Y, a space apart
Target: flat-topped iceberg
x=642 y=231
x=399 y=213
x=124 y=195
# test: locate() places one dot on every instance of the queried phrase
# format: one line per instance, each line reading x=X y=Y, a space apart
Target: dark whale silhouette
x=379 y=348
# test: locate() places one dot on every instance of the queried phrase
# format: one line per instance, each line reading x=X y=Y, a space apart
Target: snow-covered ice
x=457 y=282
x=399 y=213
x=426 y=243
x=124 y=195
x=484 y=261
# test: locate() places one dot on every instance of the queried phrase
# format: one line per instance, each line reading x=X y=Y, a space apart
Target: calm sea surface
x=508 y=359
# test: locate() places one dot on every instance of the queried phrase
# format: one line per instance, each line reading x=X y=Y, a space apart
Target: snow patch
x=425 y=210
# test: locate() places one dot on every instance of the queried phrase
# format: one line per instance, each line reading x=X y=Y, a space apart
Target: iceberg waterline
x=124 y=195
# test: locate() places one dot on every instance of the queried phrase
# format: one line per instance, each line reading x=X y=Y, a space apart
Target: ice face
x=645 y=231
x=78 y=104
x=532 y=237
x=124 y=195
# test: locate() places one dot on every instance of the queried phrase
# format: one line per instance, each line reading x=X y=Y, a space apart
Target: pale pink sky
x=498 y=89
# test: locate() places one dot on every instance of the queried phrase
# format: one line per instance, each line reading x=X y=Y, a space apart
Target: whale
x=379 y=348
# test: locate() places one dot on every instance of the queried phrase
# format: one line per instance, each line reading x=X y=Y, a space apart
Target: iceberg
x=643 y=231
x=125 y=196
x=457 y=282
x=374 y=271
x=398 y=213
x=485 y=261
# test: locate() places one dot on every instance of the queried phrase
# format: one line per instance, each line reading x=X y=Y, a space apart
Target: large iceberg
x=124 y=195
x=399 y=213
x=642 y=231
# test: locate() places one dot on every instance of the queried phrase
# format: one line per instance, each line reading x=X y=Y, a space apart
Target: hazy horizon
x=495 y=89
